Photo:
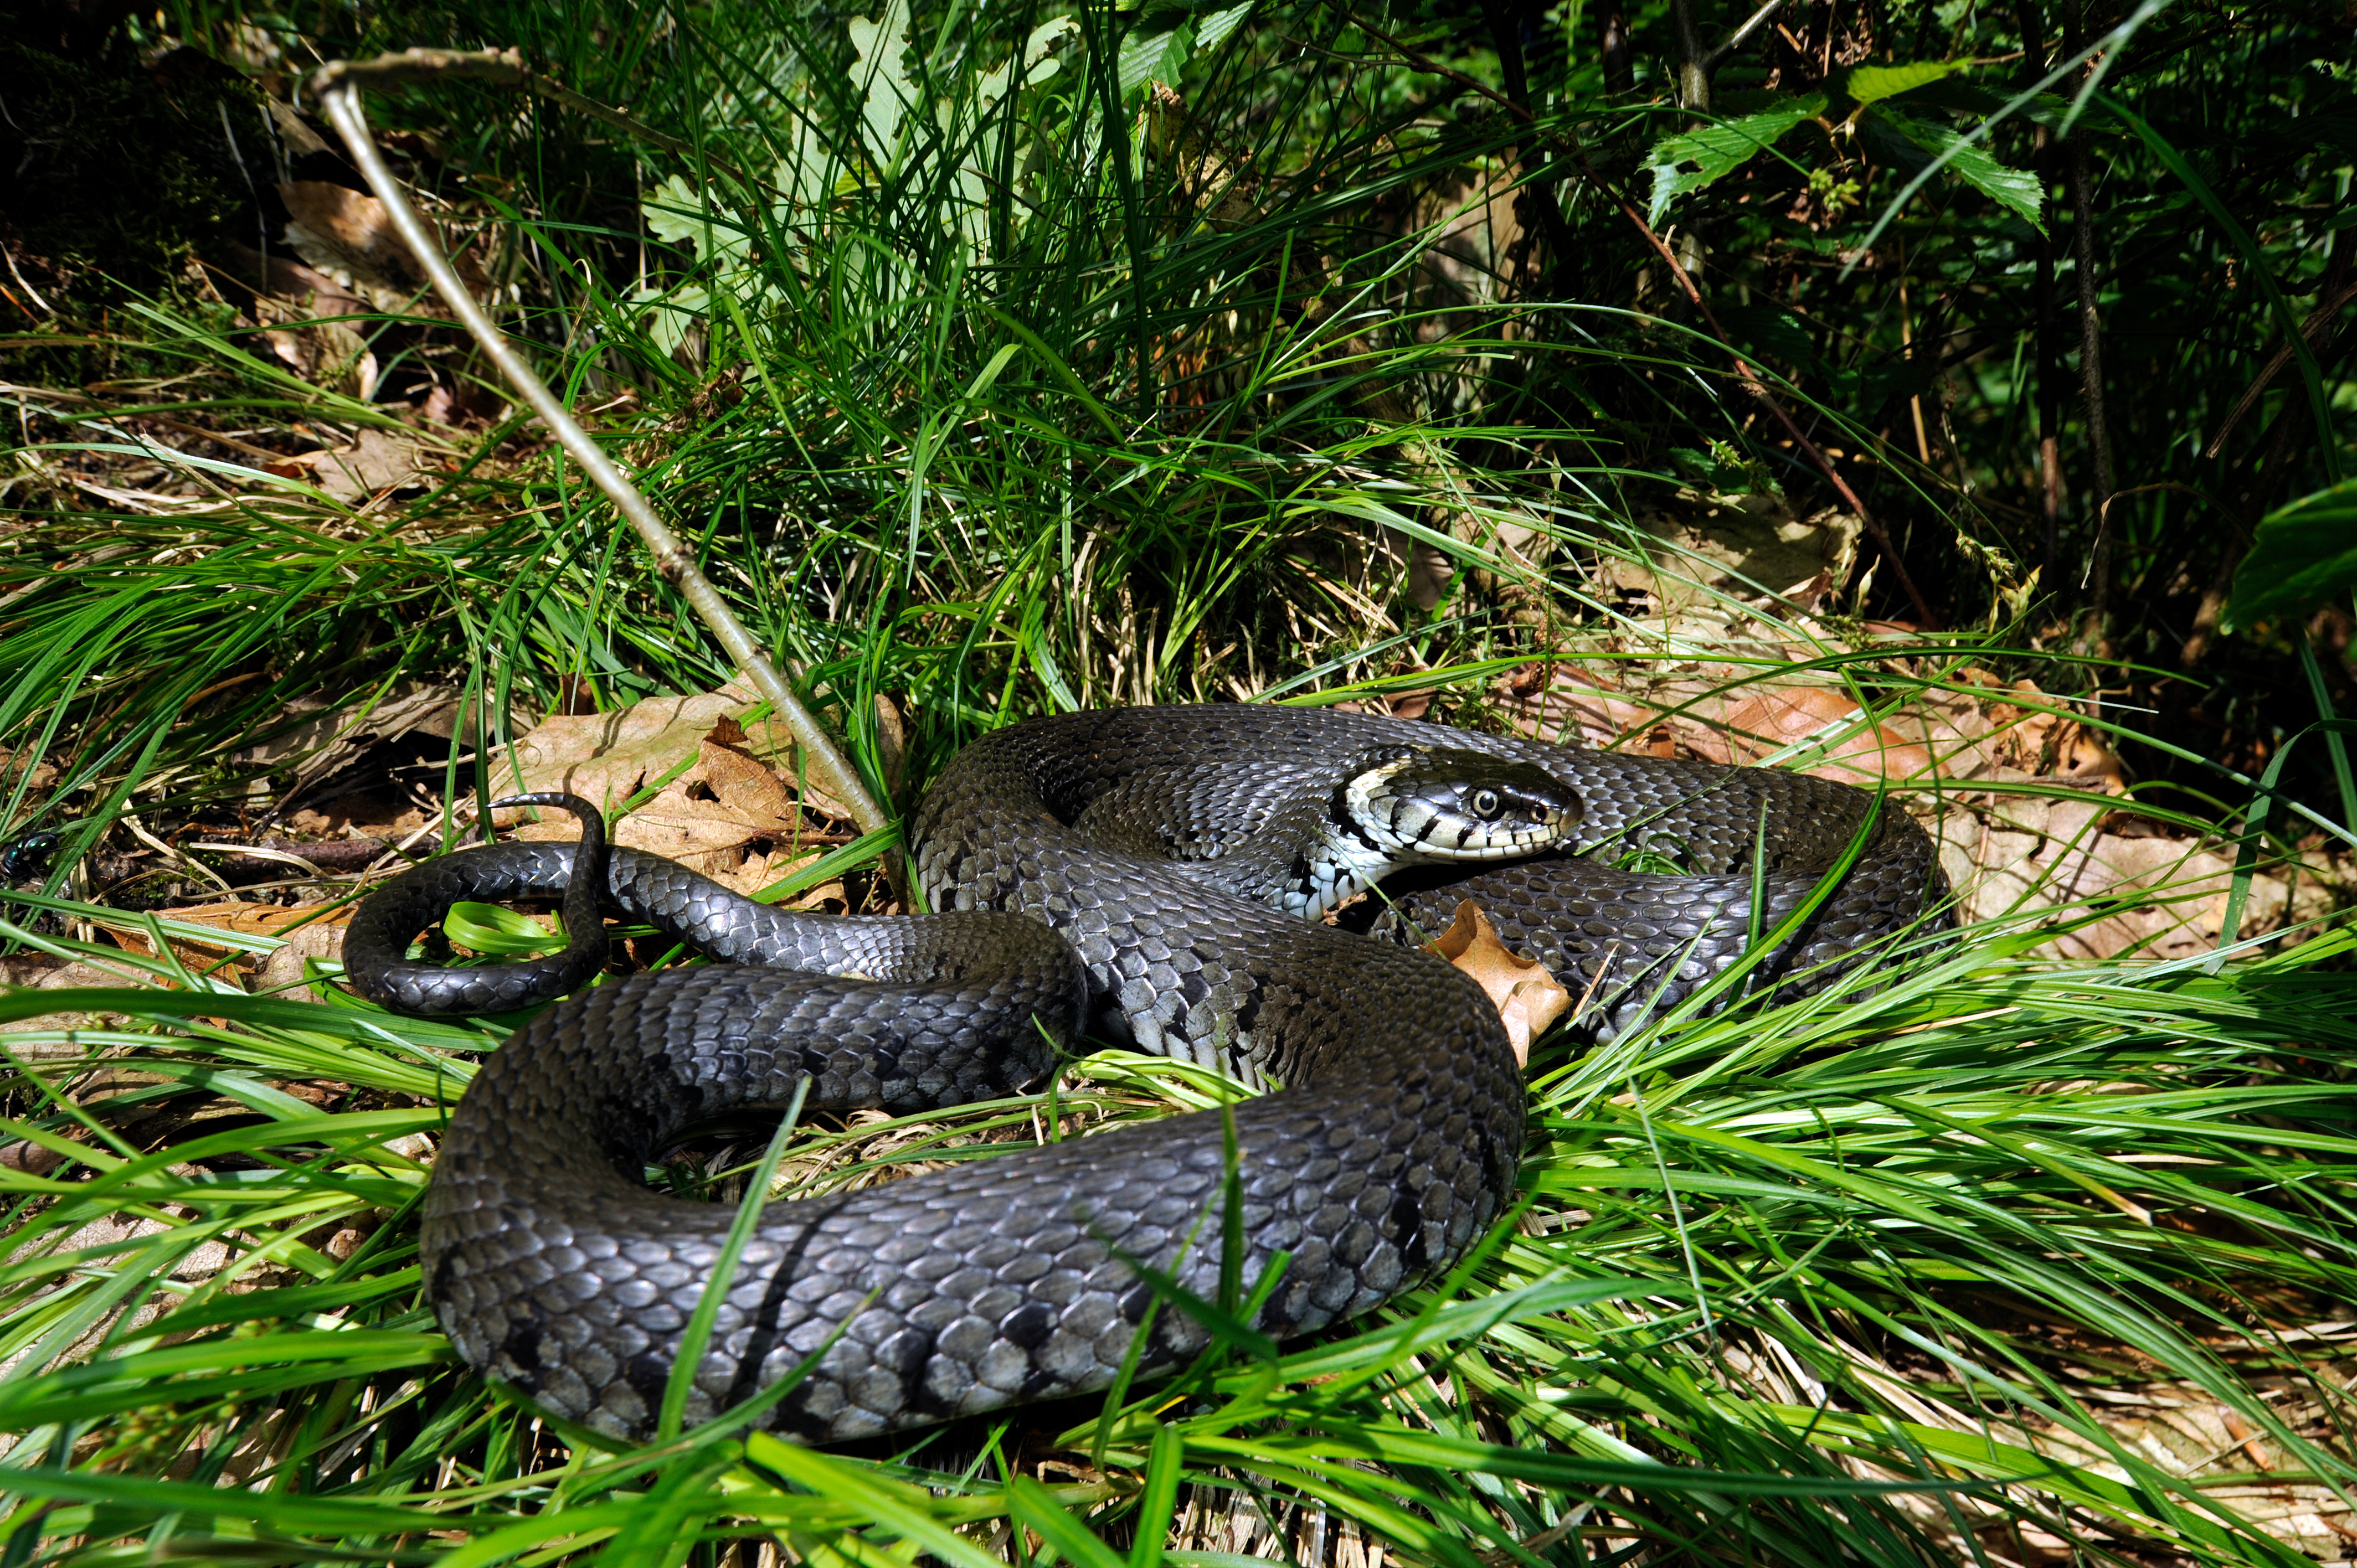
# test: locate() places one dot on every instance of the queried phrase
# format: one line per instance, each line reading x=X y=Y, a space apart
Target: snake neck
x=1312 y=857
x=1287 y=834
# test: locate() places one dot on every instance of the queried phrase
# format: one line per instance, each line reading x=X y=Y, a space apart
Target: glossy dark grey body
x=1394 y=1142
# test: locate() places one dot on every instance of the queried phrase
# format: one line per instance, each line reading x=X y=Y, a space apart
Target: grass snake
x=1141 y=874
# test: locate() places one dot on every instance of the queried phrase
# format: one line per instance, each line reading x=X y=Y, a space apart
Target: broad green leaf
x=1715 y=151
x=677 y=211
x=672 y=313
x=1039 y=65
x=1873 y=83
x=881 y=74
x=2303 y=552
x=1216 y=26
x=1155 y=56
x=2012 y=188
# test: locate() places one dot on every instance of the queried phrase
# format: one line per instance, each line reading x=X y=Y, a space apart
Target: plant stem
x=1505 y=34
x=337 y=86
x=1739 y=37
x=2048 y=368
x=2091 y=375
x=1620 y=71
x=1694 y=74
x=2049 y=377
x=2098 y=579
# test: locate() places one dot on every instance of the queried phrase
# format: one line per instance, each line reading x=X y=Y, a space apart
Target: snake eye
x=1486 y=805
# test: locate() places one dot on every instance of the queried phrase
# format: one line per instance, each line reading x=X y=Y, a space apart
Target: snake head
x=1442 y=803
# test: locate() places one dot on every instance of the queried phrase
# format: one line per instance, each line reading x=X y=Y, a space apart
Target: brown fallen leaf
x=39 y=972
x=376 y=462
x=738 y=780
x=605 y=756
x=232 y=918
x=1778 y=716
x=714 y=817
x=300 y=293
x=329 y=738
x=829 y=897
x=1527 y=997
x=1708 y=547
x=325 y=353
x=2037 y=736
x=348 y=235
x=40 y=776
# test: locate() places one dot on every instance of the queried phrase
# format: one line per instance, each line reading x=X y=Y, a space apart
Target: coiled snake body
x=1136 y=835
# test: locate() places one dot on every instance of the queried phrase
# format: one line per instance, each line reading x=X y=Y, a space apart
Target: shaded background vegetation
x=2065 y=387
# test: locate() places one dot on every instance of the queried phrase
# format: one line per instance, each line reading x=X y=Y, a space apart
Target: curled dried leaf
x=1526 y=995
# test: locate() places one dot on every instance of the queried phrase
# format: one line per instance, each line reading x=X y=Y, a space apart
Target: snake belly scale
x=1105 y=869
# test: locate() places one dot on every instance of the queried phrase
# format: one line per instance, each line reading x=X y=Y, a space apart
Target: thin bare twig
x=2313 y=329
x=507 y=67
x=1741 y=35
x=337 y=87
x=2091 y=364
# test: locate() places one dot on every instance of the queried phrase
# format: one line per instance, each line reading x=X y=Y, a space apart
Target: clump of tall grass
x=1823 y=1278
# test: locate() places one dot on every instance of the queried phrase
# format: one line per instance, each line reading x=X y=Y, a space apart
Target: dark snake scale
x=1391 y=1144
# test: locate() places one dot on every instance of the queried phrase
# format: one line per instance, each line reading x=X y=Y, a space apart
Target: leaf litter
x=2034 y=814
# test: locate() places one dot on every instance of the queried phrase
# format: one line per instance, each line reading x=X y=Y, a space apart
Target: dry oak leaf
x=327 y=738
x=304 y=933
x=348 y=236
x=1527 y=997
x=712 y=816
x=2037 y=736
x=39 y=972
x=325 y=353
x=829 y=897
x=604 y=758
x=40 y=776
x=376 y=462
x=702 y=835
x=1771 y=719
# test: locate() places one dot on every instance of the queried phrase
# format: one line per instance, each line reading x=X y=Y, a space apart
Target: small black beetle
x=26 y=858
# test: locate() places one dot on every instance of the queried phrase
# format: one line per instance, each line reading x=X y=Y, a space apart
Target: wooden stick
x=338 y=87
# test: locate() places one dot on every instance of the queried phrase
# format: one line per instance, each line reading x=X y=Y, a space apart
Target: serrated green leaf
x=1216 y=26
x=1873 y=83
x=1717 y=151
x=675 y=210
x=1155 y=57
x=2303 y=552
x=2016 y=189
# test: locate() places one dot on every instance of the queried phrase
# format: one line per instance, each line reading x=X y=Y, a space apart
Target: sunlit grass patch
x=1827 y=1277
